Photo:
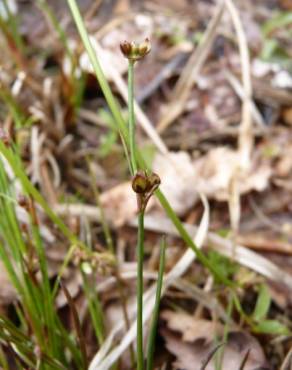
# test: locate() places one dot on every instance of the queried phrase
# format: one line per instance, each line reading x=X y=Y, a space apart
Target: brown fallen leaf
x=192 y=329
x=182 y=178
x=178 y=180
x=195 y=339
x=214 y=171
x=190 y=356
x=120 y=204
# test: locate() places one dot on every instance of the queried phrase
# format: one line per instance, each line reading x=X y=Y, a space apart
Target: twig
x=245 y=139
x=191 y=72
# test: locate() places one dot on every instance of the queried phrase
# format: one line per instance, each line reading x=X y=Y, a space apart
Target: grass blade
x=115 y=109
x=210 y=356
x=244 y=360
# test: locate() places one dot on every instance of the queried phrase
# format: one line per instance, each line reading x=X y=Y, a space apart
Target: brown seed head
x=133 y=51
x=145 y=47
x=140 y=183
x=154 y=180
x=125 y=47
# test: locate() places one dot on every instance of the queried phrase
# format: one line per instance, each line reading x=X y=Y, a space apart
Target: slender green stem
x=140 y=244
x=153 y=328
x=132 y=116
x=140 y=250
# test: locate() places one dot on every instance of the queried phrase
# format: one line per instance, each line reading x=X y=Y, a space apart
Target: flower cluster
x=144 y=185
x=133 y=51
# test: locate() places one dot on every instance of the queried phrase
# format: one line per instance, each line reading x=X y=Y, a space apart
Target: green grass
x=19 y=251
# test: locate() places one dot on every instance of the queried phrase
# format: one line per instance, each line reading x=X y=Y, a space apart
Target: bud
x=134 y=51
x=126 y=48
x=140 y=183
x=154 y=180
x=144 y=47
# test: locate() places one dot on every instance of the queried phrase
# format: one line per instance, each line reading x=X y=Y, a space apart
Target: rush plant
x=144 y=185
x=144 y=182
x=41 y=341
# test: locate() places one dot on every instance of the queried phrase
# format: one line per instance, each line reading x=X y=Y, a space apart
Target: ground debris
x=197 y=341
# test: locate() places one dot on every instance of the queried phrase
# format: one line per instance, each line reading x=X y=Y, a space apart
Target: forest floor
x=214 y=121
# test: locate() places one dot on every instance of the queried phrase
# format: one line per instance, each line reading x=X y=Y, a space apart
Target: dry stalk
x=191 y=72
x=245 y=141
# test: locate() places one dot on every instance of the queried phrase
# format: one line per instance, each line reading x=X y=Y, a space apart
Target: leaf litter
x=201 y=157
x=191 y=340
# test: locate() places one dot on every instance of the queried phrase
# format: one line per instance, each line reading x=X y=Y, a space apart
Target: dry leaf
x=190 y=356
x=120 y=204
x=177 y=180
x=182 y=179
x=197 y=340
x=214 y=171
x=116 y=61
x=192 y=329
